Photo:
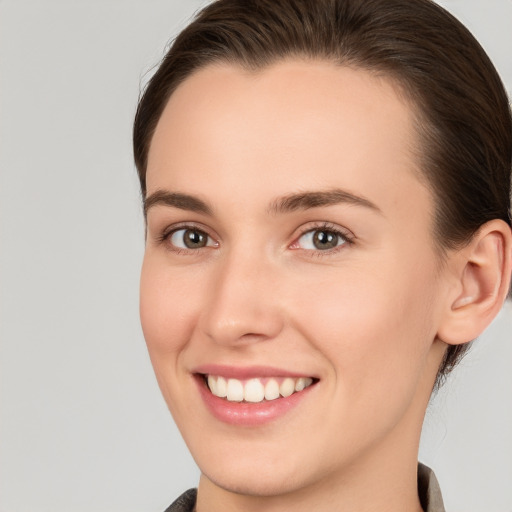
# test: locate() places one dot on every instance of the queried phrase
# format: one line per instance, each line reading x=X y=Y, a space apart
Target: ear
x=482 y=271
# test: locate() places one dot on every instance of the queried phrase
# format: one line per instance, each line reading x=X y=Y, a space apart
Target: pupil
x=325 y=240
x=194 y=239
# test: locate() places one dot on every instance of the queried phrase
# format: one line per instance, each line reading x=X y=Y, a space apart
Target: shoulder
x=185 y=503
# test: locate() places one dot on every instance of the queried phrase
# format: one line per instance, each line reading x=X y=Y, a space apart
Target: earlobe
x=483 y=271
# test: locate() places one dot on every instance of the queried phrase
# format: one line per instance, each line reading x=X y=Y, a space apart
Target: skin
x=362 y=318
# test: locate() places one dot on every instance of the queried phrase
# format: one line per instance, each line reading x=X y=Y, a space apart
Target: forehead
x=296 y=124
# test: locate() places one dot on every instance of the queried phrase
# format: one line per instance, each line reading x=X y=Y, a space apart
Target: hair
x=463 y=115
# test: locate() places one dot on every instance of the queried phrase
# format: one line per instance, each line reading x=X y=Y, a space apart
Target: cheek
x=166 y=308
x=374 y=329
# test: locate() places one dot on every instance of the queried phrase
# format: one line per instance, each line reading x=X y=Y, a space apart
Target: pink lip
x=243 y=413
x=244 y=373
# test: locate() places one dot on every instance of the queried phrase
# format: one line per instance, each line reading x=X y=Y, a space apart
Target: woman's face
x=288 y=245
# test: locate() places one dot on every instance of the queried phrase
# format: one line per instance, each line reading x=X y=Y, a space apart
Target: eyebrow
x=308 y=200
x=176 y=200
x=285 y=204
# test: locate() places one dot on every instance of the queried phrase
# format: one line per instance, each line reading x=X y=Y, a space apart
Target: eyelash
x=166 y=235
x=346 y=237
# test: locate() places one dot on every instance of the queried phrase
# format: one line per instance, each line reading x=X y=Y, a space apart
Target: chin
x=265 y=470
x=259 y=483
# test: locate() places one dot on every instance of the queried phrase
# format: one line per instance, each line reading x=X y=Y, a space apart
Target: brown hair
x=464 y=119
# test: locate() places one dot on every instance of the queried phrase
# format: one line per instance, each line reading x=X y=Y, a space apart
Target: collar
x=429 y=491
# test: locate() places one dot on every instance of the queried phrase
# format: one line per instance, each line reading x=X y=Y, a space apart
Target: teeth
x=253 y=390
x=235 y=390
x=222 y=387
x=287 y=387
x=302 y=383
x=212 y=384
x=271 y=390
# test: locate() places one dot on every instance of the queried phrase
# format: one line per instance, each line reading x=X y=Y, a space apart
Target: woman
x=326 y=186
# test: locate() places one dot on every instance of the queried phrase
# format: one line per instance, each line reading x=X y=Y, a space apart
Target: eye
x=190 y=238
x=321 y=239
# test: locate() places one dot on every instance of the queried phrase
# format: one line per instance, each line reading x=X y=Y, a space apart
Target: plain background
x=83 y=426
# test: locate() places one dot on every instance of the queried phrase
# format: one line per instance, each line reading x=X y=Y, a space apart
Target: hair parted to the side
x=463 y=116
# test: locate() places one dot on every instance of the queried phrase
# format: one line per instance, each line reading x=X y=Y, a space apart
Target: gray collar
x=429 y=490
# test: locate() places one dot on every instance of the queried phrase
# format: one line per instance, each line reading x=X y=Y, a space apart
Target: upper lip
x=246 y=372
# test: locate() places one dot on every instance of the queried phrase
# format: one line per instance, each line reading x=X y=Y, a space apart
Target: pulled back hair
x=463 y=116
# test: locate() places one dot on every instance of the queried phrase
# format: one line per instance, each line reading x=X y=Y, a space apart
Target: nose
x=243 y=304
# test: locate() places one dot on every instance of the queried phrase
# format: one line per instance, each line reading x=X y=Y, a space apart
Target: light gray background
x=83 y=426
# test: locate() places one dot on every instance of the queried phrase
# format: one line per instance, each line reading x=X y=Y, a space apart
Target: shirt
x=428 y=490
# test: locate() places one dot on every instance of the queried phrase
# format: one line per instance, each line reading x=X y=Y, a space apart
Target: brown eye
x=190 y=239
x=325 y=240
x=321 y=240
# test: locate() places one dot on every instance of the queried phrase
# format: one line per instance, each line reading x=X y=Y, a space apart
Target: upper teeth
x=254 y=390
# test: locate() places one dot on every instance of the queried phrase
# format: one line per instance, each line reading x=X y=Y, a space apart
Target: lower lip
x=246 y=413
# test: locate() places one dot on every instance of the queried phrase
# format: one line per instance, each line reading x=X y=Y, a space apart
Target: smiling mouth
x=256 y=390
